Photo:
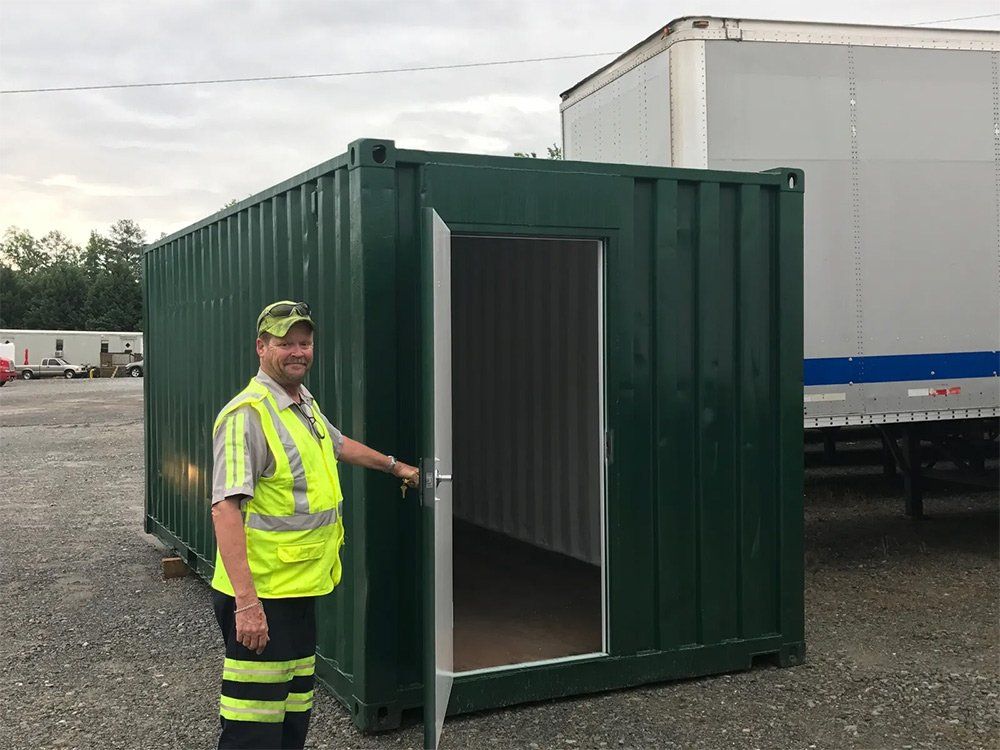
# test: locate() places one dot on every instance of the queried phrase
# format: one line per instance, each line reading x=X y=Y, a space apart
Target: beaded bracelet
x=249 y=606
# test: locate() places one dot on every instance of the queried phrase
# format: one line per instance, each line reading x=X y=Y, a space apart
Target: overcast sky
x=166 y=157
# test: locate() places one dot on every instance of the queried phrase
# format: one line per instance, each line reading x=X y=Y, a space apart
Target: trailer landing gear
x=965 y=444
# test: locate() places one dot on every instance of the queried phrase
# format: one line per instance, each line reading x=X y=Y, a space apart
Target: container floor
x=516 y=603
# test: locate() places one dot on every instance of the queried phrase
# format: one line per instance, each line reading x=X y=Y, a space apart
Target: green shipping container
x=599 y=368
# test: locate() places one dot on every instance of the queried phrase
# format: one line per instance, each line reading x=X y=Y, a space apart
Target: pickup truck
x=52 y=367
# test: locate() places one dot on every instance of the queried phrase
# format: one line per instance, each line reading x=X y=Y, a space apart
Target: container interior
x=527 y=450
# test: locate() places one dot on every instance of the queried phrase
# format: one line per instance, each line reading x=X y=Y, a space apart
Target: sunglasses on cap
x=284 y=310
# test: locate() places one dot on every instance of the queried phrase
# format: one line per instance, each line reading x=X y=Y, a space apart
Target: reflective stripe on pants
x=266 y=699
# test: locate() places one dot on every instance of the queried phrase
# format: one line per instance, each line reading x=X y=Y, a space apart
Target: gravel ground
x=99 y=652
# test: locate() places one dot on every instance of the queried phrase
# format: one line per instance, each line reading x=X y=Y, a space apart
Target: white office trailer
x=76 y=347
x=898 y=131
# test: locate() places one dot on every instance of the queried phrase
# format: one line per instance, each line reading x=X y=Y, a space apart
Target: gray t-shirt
x=258 y=461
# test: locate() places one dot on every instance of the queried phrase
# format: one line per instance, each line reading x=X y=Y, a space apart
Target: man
x=277 y=509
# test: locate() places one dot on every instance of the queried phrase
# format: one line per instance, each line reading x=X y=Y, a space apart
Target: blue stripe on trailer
x=901 y=367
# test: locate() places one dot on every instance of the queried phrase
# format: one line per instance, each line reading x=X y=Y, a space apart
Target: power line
x=949 y=20
x=381 y=71
x=340 y=74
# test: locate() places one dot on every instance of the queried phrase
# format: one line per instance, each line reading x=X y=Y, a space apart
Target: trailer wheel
x=68 y=374
x=27 y=375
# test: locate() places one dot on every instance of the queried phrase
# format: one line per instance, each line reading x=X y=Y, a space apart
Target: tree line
x=51 y=283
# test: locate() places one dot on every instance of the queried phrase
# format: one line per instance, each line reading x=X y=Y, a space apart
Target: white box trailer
x=76 y=347
x=898 y=131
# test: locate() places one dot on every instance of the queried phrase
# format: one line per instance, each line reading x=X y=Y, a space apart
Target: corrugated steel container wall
x=703 y=384
x=512 y=300
x=203 y=292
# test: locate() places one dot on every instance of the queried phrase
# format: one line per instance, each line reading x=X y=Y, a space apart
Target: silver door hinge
x=733 y=30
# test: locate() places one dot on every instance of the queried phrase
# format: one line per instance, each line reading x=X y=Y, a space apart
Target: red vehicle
x=7 y=371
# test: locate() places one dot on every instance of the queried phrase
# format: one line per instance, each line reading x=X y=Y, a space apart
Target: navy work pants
x=267 y=698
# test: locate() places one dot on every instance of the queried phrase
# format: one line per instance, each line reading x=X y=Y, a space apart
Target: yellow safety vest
x=294 y=521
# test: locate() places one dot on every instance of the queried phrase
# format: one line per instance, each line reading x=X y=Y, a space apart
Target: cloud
x=94 y=189
x=168 y=156
x=492 y=103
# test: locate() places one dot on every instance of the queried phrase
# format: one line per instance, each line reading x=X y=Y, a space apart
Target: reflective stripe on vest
x=298 y=522
x=300 y=490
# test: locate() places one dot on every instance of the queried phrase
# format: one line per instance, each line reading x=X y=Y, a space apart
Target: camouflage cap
x=278 y=317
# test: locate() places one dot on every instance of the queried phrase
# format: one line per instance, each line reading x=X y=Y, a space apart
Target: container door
x=436 y=475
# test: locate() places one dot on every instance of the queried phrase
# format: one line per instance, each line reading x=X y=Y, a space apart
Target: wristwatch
x=392 y=465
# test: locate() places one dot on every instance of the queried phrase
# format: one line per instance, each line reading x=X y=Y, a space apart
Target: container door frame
x=602 y=239
x=436 y=469
x=562 y=202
